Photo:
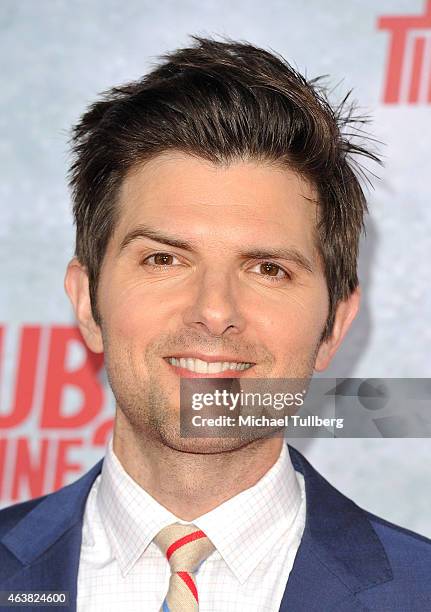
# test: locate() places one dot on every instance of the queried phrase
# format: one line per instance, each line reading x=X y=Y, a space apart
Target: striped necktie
x=185 y=547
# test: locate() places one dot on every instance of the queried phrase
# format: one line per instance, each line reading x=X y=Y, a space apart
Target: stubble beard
x=149 y=410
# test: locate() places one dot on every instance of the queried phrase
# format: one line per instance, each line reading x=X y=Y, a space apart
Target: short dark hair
x=222 y=101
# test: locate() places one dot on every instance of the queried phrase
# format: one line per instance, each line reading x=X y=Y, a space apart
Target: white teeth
x=196 y=365
x=212 y=368
x=204 y=367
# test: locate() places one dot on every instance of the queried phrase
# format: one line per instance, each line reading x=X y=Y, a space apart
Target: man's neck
x=190 y=484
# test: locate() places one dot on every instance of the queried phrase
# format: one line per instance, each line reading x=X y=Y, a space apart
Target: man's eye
x=160 y=259
x=272 y=271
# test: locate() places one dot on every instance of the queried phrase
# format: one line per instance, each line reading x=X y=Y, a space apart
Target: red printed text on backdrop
x=408 y=67
x=40 y=438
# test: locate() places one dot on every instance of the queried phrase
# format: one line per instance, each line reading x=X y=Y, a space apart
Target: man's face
x=231 y=274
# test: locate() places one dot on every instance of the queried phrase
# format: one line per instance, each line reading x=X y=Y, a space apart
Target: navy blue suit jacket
x=349 y=560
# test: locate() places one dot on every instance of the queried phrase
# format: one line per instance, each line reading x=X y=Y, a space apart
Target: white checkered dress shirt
x=256 y=534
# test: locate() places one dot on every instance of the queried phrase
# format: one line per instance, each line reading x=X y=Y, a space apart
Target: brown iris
x=270 y=269
x=162 y=259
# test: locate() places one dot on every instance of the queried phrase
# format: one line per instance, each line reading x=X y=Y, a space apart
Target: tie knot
x=185 y=546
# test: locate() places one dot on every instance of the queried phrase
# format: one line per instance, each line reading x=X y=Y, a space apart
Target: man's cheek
x=128 y=312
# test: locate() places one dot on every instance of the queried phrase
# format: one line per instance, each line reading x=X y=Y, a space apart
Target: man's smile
x=215 y=366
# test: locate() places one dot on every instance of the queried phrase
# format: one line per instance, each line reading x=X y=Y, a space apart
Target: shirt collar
x=243 y=529
x=131 y=516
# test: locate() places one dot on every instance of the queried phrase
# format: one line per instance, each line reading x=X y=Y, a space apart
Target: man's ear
x=76 y=286
x=345 y=313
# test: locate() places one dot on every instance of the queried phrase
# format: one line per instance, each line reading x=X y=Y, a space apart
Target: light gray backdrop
x=56 y=55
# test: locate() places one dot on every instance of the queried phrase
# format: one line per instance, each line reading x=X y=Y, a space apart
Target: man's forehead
x=174 y=180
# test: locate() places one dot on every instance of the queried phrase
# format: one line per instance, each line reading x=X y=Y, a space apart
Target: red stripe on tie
x=189 y=582
x=185 y=540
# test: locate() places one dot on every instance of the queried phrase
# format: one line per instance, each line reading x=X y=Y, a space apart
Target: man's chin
x=206 y=446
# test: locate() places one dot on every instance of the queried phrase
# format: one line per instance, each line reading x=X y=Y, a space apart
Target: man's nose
x=215 y=305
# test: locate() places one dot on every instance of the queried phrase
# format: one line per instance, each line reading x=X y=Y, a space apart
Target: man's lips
x=208 y=358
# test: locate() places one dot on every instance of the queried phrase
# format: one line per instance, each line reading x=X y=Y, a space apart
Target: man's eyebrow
x=143 y=231
x=287 y=253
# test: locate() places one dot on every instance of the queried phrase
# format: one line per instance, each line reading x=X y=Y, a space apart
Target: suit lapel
x=46 y=543
x=340 y=553
x=313 y=587
x=55 y=570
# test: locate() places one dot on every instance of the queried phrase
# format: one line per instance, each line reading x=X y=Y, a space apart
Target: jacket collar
x=50 y=519
x=340 y=553
x=42 y=551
